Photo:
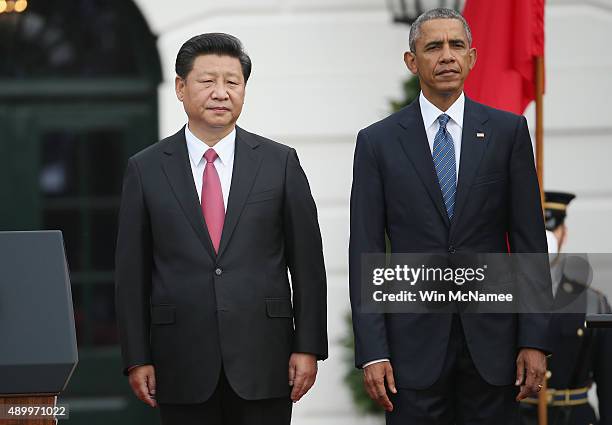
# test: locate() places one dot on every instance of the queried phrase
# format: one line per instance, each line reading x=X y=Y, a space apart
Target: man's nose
x=447 y=54
x=220 y=91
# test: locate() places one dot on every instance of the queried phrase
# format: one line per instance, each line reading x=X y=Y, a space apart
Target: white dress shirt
x=430 y=114
x=224 y=162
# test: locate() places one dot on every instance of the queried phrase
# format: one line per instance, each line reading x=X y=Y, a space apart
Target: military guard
x=581 y=356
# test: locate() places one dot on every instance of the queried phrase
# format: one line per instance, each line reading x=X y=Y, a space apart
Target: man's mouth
x=447 y=72
x=219 y=109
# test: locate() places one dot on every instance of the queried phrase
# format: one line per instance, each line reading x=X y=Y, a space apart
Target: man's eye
x=233 y=83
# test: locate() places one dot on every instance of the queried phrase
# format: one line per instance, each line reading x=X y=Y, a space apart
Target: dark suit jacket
x=189 y=311
x=395 y=190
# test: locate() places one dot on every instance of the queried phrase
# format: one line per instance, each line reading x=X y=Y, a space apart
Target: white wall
x=578 y=117
x=323 y=69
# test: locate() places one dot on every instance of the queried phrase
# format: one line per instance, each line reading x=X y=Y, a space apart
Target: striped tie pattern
x=444 y=162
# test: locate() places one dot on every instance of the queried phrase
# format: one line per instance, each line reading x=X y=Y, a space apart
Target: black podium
x=37 y=335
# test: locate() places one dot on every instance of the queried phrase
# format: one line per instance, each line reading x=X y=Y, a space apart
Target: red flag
x=508 y=35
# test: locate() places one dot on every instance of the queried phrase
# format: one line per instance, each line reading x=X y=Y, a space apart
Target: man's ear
x=410 y=61
x=179 y=87
x=473 y=55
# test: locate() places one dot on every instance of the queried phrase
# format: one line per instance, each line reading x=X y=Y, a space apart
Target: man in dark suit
x=446 y=175
x=211 y=220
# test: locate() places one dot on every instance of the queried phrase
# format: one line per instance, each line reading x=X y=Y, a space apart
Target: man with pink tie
x=211 y=220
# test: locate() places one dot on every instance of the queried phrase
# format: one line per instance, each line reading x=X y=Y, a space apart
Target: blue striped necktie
x=444 y=161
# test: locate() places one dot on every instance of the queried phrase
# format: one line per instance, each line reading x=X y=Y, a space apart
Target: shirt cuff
x=374 y=361
x=129 y=369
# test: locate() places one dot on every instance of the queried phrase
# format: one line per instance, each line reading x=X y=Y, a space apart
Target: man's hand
x=142 y=381
x=530 y=372
x=374 y=377
x=302 y=374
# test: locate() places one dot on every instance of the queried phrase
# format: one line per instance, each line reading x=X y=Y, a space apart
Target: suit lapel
x=415 y=145
x=472 y=149
x=246 y=164
x=178 y=172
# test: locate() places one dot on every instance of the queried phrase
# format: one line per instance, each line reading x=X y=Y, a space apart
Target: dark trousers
x=225 y=407
x=460 y=396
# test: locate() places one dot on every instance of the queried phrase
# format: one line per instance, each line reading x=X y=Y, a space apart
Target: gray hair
x=440 y=13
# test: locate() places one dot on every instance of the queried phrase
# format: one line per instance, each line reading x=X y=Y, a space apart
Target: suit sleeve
x=367 y=236
x=304 y=257
x=133 y=261
x=526 y=234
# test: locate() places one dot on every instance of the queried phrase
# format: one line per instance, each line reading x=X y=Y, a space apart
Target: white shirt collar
x=196 y=147
x=430 y=112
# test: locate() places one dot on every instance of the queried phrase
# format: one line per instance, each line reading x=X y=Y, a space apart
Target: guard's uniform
x=580 y=357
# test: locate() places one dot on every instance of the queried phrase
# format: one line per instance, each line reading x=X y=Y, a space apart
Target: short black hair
x=213 y=43
x=439 y=13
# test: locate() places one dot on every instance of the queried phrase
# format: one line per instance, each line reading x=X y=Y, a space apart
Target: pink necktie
x=212 y=199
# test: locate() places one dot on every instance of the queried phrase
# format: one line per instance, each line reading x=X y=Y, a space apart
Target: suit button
x=218 y=272
x=451 y=249
x=579 y=332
